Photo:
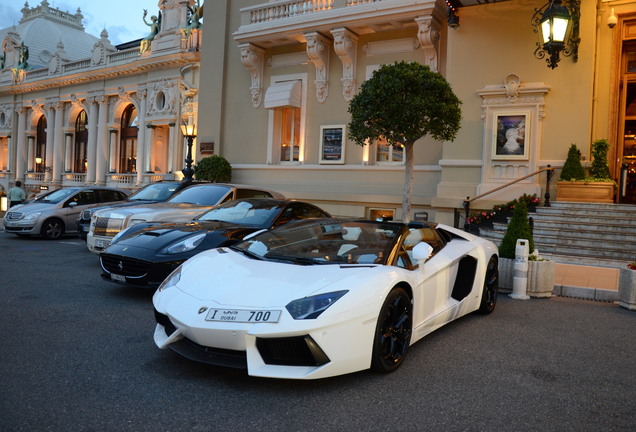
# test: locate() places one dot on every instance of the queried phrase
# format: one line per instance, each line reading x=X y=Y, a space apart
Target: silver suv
x=55 y=214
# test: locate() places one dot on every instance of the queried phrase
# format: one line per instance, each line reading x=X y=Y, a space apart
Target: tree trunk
x=408 y=182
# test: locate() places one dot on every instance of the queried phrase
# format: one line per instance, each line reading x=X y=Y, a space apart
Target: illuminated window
x=285 y=101
x=388 y=153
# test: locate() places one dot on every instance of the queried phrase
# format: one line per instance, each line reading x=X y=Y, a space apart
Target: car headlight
x=312 y=307
x=32 y=216
x=185 y=245
x=171 y=280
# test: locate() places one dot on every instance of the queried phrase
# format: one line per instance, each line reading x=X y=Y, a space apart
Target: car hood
x=158 y=237
x=229 y=278
x=156 y=212
x=34 y=207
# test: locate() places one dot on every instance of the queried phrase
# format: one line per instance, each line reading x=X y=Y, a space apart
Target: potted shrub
x=573 y=185
x=213 y=168
x=627 y=287
x=540 y=277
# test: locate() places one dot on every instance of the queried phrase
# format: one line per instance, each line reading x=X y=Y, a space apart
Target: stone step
x=591 y=206
x=597 y=237
x=592 y=218
x=582 y=248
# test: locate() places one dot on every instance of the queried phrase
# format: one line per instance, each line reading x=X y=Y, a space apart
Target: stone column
x=112 y=159
x=68 y=152
x=172 y=148
x=50 y=143
x=141 y=137
x=102 y=142
x=91 y=150
x=30 y=153
x=21 y=146
x=58 y=144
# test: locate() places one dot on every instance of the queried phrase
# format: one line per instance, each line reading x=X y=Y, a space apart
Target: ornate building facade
x=288 y=69
x=76 y=110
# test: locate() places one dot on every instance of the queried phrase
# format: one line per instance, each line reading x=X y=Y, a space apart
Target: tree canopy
x=402 y=103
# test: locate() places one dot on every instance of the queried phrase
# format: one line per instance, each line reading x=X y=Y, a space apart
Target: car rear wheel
x=52 y=229
x=491 y=287
x=393 y=331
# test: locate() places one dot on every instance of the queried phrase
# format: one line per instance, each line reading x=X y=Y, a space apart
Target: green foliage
x=404 y=102
x=600 y=167
x=518 y=228
x=572 y=168
x=214 y=168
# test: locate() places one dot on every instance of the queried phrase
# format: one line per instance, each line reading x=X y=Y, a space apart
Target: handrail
x=549 y=173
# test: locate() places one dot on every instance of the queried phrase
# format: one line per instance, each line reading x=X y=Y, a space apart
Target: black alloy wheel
x=491 y=287
x=393 y=331
x=52 y=229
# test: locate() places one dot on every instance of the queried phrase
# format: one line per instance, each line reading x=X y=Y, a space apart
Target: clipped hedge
x=214 y=168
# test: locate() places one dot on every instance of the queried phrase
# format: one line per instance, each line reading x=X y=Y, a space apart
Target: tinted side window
x=83 y=198
x=111 y=195
x=252 y=193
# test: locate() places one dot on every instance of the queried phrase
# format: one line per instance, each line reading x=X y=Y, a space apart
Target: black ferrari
x=145 y=254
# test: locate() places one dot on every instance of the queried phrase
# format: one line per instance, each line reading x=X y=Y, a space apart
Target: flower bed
x=500 y=212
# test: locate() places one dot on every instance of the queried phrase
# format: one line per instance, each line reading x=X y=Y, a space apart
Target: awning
x=283 y=94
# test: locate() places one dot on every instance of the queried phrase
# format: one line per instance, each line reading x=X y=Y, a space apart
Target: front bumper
x=97 y=244
x=21 y=227
x=294 y=349
x=135 y=272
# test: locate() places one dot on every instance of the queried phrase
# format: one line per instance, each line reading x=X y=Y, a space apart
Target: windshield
x=247 y=213
x=201 y=195
x=58 y=195
x=155 y=192
x=325 y=242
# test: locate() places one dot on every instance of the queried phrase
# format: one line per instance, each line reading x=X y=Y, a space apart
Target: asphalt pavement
x=77 y=355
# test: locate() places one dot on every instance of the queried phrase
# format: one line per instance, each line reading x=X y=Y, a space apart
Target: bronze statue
x=193 y=21
x=155 y=27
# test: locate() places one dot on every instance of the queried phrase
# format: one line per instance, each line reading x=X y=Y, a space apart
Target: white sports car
x=325 y=297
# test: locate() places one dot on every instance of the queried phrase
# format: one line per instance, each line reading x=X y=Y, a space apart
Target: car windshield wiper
x=246 y=252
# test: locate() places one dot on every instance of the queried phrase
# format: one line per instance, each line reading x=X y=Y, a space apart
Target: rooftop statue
x=194 y=20
x=24 y=56
x=155 y=26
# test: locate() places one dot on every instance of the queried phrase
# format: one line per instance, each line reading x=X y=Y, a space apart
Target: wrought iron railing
x=546 y=203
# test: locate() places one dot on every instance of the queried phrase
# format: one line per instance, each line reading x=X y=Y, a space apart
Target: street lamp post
x=190 y=133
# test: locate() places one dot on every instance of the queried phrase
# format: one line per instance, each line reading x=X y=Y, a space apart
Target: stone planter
x=506 y=273
x=579 y=191
x=540 y=277
x=627 y=289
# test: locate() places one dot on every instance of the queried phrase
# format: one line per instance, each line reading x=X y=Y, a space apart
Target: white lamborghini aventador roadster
x=325 y=297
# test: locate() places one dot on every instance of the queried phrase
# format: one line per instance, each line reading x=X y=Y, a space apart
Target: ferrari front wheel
x=393 y=331
x=491 y=287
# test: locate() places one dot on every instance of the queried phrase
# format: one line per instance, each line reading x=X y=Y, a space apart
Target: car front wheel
x=491 y=287
x=393 y=331
x=52 y=229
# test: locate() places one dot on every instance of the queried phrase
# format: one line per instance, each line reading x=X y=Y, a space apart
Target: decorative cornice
x=345 y=44
x=318 y=53
x=253 y=58
x=429 y=36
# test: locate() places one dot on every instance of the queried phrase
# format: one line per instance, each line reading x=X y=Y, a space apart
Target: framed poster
x=332 y=144
x=511 y=136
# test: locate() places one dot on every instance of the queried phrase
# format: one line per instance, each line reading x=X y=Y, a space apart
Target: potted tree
x=540 y=271
x=573 y=185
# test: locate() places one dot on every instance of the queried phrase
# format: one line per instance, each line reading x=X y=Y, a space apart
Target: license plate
x=102 y=244
x=118 y=278
x=243 y=315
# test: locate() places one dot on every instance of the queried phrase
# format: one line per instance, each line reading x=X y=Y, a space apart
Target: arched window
x=128 y=144
x=81 y=140
x=40 y=145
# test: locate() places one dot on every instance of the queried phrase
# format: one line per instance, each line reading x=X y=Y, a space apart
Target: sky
x=121 y=18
